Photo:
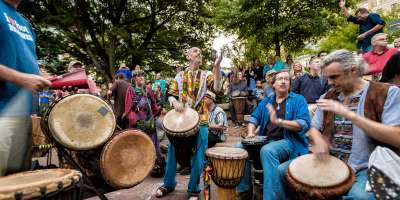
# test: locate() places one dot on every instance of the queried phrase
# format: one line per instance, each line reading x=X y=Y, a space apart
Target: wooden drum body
x=182 y=131
x=253 y=147
x=80 y=121
x=227 y=169
x=124 y=161
x=52 y=184
x=239 y=103
x=319 y=179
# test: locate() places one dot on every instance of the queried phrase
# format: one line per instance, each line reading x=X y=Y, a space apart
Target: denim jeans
x=275 y=161
x=357 y=191
x=197 y=163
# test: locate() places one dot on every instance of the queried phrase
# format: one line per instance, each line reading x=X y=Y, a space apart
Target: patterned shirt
x=343 y=136
x=217 y=117
x=190 y=87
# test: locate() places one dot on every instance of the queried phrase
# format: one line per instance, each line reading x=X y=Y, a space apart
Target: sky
x=218 y=43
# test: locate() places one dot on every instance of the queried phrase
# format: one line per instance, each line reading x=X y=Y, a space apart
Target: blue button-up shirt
x=362 y=145
x=297 y=110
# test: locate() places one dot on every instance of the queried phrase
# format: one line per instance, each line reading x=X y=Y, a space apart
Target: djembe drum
x=227 y=165
x=51 y=184
x=123 y=162
x=182 y=130
x=239 y=103
x=253 y=147
x=40 y=142
x=312 y=178
x=79 y=121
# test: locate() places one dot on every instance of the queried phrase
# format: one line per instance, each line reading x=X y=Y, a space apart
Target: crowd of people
x=331 y=107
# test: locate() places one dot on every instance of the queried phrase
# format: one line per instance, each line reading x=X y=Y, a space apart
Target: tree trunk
x=277 y=44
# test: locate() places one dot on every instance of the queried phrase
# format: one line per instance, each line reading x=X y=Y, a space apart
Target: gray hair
x=377 y=35
x=347 y=61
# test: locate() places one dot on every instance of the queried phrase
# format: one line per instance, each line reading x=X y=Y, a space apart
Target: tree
x=277 y=23
x=104 y=33
x=345 y=35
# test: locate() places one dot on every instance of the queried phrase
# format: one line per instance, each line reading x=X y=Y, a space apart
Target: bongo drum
x=227 y=168
x=182 y=129
x=312 y=178
x=124 y=161
x=239 y=103
x=52 y=184
x=80 y=121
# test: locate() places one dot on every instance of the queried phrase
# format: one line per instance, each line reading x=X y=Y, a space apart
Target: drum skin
x=227 y=165
x=81 y=121
x=319 y=179
x=31 y=184
x=181 y=124
x=127 y=159
x=182 y=130
x=253 y=147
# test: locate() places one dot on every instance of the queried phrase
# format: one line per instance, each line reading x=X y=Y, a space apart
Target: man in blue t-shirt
x=18 y=79
x=369 y=25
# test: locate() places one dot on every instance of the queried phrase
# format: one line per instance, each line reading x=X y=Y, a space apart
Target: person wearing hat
x=268 y=89
x=217 y=121
x=75 y=66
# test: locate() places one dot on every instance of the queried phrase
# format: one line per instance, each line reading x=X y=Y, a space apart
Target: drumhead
x=309 y=170
x=30 y=183
x=81 y=121
x=179 y=122
x=226 y=153
x=258 y=140
x=127 y=159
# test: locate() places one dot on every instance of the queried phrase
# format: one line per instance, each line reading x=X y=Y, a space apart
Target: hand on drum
x=178 y=106
x=320 y=148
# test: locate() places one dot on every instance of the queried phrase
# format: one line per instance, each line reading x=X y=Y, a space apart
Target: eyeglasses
x=280 y=79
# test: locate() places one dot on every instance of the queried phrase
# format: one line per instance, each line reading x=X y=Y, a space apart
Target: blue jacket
x=297 y=110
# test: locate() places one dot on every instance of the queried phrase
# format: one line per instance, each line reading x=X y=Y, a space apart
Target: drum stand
x=64 y=154
x=257 y=185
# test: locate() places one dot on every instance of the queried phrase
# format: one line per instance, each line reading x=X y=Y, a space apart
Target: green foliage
x=105 y=33
x=345 y=35
x=277 y=23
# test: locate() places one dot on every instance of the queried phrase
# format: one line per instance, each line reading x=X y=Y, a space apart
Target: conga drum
x=124 y=161
x=182 y=129
x=227 y=165
x=52 y=184
x=312 y=178
x=239 y=103
x=80 y=121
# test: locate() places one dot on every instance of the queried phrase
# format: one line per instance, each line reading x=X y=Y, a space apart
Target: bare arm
x=28 y=81
x=378 y=131
x=373 y=30
x=217 y=72
x=216 y=127
x=251 y=130
x=342 y=5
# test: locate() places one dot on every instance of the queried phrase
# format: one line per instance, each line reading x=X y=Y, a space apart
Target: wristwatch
x=280 y=121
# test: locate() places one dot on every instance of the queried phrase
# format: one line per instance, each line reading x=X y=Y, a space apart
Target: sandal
x=163 y=191
x=193 y=196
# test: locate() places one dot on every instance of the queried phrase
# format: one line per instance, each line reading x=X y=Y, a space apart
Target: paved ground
x=147 y=188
